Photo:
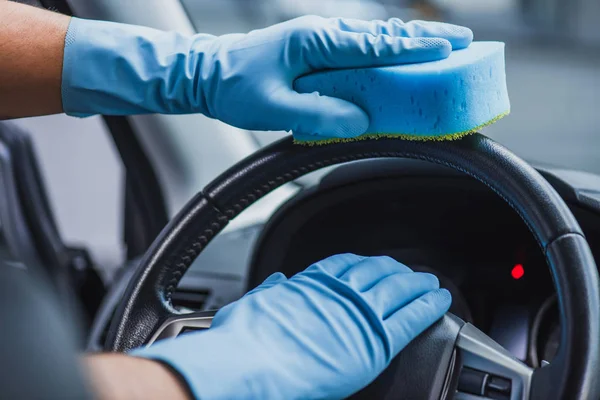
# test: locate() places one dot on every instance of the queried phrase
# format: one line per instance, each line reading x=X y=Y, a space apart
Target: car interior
x=508 y=219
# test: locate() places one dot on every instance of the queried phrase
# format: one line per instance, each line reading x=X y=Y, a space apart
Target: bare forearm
x=31 y=54
x=117 y=376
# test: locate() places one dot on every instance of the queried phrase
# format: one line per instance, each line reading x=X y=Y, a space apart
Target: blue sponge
x=439 y=100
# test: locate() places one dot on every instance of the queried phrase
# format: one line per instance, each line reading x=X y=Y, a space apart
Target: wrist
x=117 y=376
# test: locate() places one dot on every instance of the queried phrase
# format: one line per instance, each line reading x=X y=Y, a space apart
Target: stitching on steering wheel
x=240 y=205
x=191 y=252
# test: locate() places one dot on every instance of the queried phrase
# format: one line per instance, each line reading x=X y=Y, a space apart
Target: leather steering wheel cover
x=147 y=299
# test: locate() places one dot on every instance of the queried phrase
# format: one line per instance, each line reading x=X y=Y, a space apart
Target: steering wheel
x=452 y=359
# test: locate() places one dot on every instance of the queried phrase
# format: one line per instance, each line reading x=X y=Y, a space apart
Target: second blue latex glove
x=325 y=333
x=245 y=80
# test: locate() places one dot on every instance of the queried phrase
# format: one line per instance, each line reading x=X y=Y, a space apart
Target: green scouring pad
x=439 y=100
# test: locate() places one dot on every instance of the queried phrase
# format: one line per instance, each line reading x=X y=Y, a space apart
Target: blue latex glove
x=244 y=80
x=325 y=333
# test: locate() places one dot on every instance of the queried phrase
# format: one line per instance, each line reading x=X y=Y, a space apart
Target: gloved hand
x=245 y=80
x=325 y=333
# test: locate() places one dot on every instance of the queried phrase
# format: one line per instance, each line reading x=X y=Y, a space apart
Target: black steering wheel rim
x=147 y=301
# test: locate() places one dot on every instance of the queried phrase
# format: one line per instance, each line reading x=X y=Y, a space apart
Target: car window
x=553 y=59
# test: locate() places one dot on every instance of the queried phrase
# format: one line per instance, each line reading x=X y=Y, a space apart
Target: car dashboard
x=439 y=221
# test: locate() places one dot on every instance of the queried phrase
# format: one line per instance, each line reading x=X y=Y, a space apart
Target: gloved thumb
x=271 y=281
x=323 y=116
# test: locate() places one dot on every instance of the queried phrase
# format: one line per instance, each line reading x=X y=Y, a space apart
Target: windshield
x=552 y=58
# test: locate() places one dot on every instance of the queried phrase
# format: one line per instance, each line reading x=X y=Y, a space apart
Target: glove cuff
x=118 y=69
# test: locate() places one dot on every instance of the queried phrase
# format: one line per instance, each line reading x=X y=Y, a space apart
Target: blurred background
x=553 y=70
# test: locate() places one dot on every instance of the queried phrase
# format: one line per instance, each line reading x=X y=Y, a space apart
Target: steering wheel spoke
x=182 y=324
x=489 y=370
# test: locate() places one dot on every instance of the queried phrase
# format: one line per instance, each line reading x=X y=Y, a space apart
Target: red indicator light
x=517 y=272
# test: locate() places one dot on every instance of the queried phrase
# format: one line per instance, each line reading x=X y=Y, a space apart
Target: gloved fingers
x=312 y=114
x=271 y=281
x=368 y=272
x=337 y=264
x=338 y=49
x=396 y=291
x=410 y=321
x=459 y=36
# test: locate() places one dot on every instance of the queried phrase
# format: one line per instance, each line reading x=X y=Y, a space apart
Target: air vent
x=186 y=299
